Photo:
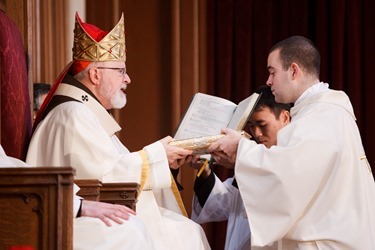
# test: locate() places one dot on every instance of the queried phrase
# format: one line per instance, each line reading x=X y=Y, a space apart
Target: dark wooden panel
x=36 y=206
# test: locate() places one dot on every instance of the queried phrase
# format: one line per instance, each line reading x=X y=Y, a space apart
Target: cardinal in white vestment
x=315 y=189
x=74 y=128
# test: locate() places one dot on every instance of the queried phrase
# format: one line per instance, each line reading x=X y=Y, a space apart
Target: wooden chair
x=89 y=189
x=122 y=193
x=36 y=203
x=15 y=100
x=36 y=207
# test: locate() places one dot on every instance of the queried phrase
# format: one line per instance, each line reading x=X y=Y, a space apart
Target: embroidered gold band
x=177 y=195
x=145 y=169
x=144 y=174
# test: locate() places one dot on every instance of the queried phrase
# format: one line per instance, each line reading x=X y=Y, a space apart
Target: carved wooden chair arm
x=123 y=193
x=89 y=189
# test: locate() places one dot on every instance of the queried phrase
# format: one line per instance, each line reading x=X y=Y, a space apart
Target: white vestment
x=224 y=203
x=315 y=189
x=81 y=134
x=91 y=233
x=7 y=161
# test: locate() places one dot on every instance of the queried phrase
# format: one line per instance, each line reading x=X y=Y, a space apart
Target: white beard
x=119 y=100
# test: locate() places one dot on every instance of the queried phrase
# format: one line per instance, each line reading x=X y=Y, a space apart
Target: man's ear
x=94 y=76
x=285 y=116
x=295 y=70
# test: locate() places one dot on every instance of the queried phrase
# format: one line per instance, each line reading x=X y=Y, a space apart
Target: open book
x=206 y=116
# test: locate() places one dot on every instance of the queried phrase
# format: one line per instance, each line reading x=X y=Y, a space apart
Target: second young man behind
x=215 y=200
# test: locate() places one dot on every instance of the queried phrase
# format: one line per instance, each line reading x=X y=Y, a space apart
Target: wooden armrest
x=122 y=193
x=89 y=189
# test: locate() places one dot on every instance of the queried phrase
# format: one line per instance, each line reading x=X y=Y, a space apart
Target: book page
x=206 y=115
x=243 y=111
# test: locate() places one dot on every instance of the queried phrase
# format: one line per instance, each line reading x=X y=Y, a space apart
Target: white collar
x=316 y=88
x=106 y=119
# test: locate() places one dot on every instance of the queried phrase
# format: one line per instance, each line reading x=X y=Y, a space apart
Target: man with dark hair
x=215 y=200
x=268 y=118
x=315 y=188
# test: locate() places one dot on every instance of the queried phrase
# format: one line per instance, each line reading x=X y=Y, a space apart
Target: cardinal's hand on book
x=176 y=156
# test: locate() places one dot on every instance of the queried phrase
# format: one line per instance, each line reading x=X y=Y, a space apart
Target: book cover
x=206 y=116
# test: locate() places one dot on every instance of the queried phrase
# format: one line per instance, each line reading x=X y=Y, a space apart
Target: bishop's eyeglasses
x=122 y=71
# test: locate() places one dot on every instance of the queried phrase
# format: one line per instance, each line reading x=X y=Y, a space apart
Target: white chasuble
x=314 y=190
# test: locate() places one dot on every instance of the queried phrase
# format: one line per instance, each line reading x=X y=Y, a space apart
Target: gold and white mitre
x=110 y=48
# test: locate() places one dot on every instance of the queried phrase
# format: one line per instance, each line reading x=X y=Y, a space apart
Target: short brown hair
x=300 y=50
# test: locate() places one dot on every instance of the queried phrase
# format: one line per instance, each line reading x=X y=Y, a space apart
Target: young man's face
x=263 y=125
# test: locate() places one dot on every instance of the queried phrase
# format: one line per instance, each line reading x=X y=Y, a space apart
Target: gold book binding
x=199 y=145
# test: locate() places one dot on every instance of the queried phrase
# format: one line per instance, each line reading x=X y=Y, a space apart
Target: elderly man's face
x=113 y=84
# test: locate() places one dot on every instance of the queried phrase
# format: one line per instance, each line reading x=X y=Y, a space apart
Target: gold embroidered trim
x=177 y=195
x=145 y=169
x=144 y=175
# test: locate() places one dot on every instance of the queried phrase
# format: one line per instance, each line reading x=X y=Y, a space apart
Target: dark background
x=241 y=32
